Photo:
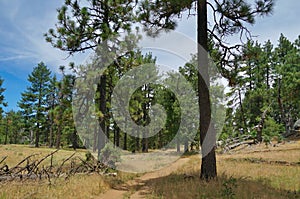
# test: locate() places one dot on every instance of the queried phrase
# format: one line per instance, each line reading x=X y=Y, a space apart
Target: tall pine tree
x=34 y=100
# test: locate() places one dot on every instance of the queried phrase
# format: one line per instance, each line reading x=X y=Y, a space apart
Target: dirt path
x=137 y=189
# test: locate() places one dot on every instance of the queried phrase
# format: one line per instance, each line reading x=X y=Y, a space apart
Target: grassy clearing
x=176 y=187
x=16 y=153
x=238 y=178
x=254 y=172
x=78 y=186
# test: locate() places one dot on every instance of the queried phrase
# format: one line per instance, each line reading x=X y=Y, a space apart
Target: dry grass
x=256 y=172
x=176 y=187
x=78 y=186
x=16 y=153
x=238 y=178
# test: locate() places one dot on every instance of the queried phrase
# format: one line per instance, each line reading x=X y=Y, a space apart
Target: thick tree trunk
x=208 y=164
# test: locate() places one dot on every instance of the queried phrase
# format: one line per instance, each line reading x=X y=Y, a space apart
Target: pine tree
x=81 y=28
x=230 y=17
x=34 y=100
x=2 y=99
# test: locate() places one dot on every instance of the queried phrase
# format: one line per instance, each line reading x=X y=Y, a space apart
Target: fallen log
x=233 y=146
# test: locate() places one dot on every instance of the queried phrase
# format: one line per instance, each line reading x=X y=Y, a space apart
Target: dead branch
x=32 y=169
x=4 y=158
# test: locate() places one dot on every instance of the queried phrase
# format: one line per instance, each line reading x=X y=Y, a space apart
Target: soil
x=137 y=188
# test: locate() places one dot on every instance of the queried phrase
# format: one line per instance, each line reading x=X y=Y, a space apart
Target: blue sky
x=22 y=45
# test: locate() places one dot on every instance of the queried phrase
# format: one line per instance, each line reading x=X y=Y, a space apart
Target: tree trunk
x=37 y=135
x=260 y=125
x=37 y=132
x=59 y=127
x=51 y=132
x=178 y=145
x=117 y=136
x=208 y=164
x=125 y=142
x=160 y=145
x=137 y=142
x=125 y=138
x=145 y=144
x=186 y=146
x=146 y=118
x=51 y=122
x=74 y=140
x=101 y=132
x=242 y=109
x=58 y=138
x=6 y=131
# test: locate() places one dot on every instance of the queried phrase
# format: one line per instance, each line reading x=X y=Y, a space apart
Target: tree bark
x=186 y=145
x=51 y=131
x=74 y=140
x=208 y=164
x=125 y=142
x=137 y=142
x=117 y=138
x=178 y=145
x=101 y=132
x=6 y=130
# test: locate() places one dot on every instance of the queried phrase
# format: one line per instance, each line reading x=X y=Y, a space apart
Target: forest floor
x=256 y=171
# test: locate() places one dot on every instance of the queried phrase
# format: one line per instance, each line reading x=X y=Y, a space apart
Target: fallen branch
x=4 y=158
x=33 y=170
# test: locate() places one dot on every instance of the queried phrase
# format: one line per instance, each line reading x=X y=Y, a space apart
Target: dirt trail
x=139 y=184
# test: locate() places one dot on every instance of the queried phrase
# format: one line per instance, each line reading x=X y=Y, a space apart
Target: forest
x=246 y=95
x=262 y=101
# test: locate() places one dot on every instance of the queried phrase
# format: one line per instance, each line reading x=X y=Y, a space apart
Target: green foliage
x=228 y=187
x=2 y=99
x=88 y=156
x=14 y=125
x=266 y=80
x=34 y=100
x=272 y=129
x=83 y=26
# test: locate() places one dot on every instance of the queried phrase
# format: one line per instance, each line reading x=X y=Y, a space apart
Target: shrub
x=110 y=154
